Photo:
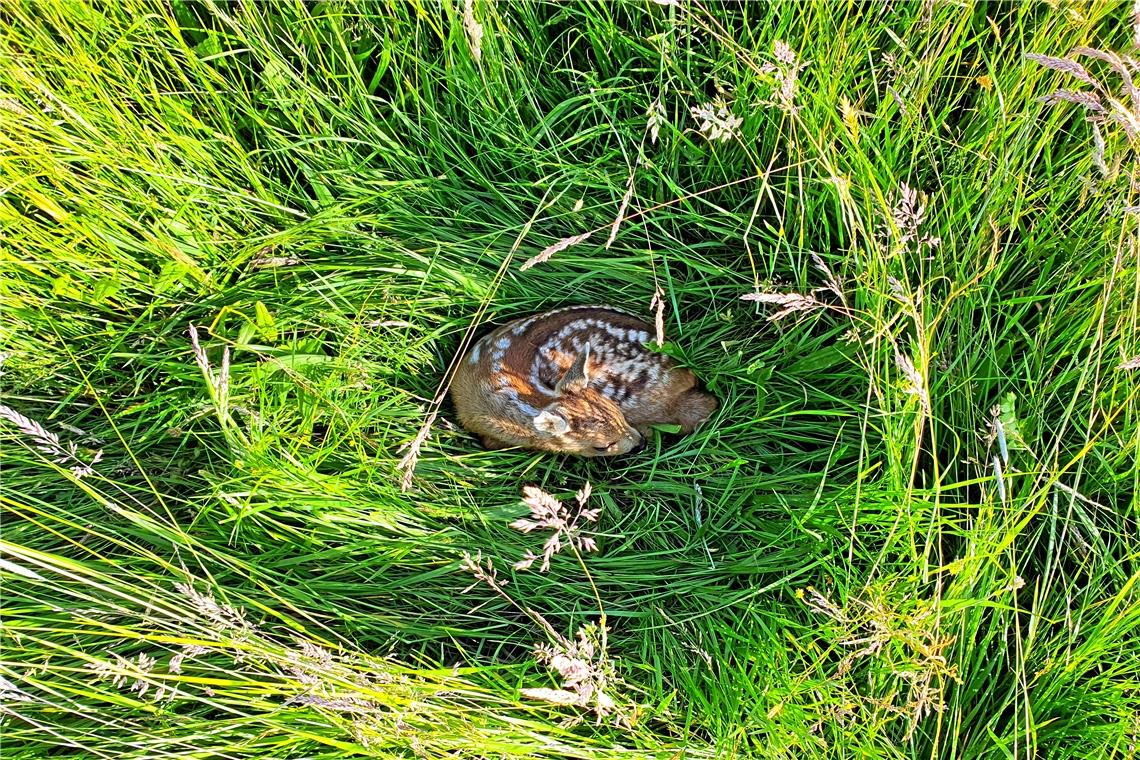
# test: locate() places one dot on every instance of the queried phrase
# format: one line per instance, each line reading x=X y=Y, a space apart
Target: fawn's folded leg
x=692 y=408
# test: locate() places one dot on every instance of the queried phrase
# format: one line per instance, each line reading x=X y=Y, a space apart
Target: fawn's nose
x=640 y=447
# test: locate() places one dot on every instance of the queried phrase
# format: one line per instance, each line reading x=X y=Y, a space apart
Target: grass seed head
x=48 y=443
x=656 y=118
x=915 y=383
x=474 y=30
x=657 y=306
x=621 y=209
x=584 y=668
x=1065 y=66
x=789 y=303
x=1090 y=100
x=549 y=513
x=716 y=122
x=785 y=74
x=550 y=250
x=219 y=618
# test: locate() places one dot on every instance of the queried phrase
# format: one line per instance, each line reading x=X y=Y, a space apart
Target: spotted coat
x=587 y=366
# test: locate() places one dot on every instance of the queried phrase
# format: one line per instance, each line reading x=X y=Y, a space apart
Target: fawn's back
x=577 y=380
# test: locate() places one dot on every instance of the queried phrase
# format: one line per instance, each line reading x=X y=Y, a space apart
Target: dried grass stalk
x=621 y=209
x=407 y=465
x=790 y=303
x=561 y=245
x=273 y=262
x=657 y=306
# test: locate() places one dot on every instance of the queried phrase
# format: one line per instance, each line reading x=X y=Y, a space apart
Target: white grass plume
x=716 y=122
x=785 y=72
x=584 y=668
x=549 y=513
x=47 y=442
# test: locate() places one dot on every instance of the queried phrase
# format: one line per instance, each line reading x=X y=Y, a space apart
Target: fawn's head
x=582 y=421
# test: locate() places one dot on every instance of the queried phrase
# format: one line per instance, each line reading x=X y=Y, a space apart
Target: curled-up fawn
x=578 y=381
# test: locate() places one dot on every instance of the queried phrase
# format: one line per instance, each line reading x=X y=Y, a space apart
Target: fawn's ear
x=550 y=421
x=578 y=376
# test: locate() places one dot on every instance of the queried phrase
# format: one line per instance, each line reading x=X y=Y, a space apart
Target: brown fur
x=577 y=381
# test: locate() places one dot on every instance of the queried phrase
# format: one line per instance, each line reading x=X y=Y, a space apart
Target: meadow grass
x=910 y=530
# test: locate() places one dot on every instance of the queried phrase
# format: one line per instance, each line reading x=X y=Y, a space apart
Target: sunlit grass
x=910 y=530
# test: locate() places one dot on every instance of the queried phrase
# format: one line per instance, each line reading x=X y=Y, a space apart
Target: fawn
x=576 y=381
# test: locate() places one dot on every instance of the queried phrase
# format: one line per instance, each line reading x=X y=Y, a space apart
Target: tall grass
x=243 y=241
